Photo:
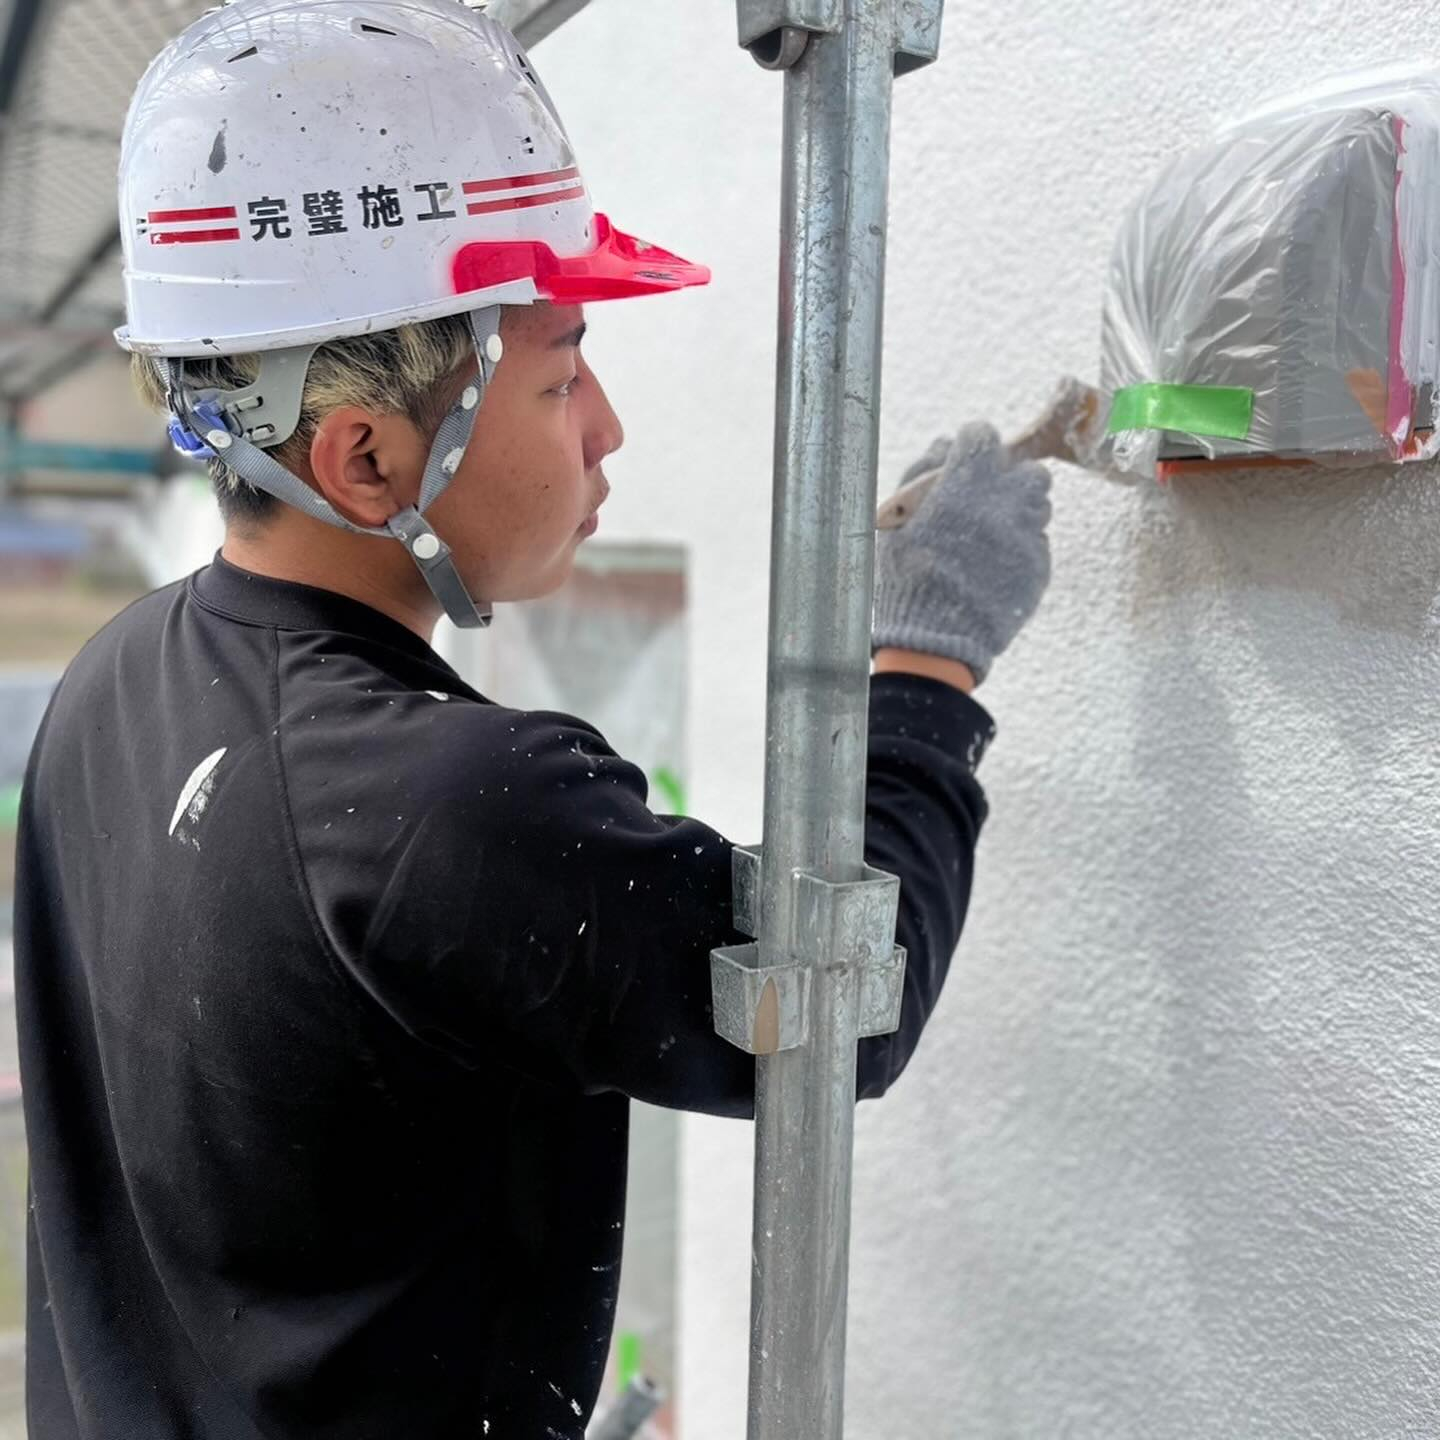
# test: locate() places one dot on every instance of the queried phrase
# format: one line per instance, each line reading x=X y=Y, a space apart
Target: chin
x=552 y=583
x=533 y=587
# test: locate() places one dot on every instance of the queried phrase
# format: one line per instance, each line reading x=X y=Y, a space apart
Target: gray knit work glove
x=967 y=570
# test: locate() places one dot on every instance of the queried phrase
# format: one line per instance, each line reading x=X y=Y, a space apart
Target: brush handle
x=899 y=507
x=1064 y=431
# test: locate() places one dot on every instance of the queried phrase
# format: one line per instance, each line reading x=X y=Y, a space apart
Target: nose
x=604 y=434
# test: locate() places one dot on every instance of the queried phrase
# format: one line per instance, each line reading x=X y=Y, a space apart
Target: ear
x=367 y=466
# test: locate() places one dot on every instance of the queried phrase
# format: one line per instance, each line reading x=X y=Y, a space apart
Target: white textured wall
x=1169 y=1161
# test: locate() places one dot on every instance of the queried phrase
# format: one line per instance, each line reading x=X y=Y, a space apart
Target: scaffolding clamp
x=776 y=32
x=850 y=924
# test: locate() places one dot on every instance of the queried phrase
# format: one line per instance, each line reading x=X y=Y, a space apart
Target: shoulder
x=533 y=767
x=434 y=759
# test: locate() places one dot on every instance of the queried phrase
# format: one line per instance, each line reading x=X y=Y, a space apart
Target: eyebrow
x=571 y=338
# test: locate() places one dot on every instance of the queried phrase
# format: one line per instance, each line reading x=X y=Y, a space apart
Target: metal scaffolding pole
x=824 y=970
x=530 y=21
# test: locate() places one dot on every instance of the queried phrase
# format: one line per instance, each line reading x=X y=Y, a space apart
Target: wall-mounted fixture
x=1273 y=295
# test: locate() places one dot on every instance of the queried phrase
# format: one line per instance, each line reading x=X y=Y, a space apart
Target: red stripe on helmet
x=516 y=182
x=191 y=237
x=525 y=202
x=174 y=217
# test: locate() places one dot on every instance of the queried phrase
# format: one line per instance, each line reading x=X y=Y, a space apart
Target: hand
x=962 y=576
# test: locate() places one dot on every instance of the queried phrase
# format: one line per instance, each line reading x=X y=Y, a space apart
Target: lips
x=591 y=522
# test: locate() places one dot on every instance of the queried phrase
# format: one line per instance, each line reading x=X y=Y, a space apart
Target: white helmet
x=296 y=171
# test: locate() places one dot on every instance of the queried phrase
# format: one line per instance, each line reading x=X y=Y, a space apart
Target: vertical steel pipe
x=832 y=270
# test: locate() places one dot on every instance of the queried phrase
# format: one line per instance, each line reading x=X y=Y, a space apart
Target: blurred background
x=82 y=474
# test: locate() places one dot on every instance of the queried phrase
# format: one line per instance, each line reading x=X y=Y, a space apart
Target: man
x=335 y=976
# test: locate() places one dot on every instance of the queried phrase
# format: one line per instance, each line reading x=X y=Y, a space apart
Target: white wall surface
x=1167 y=1163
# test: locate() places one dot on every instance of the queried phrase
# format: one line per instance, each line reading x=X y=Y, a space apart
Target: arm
x=580 y=949
x=890 y=661
x=545 y=918
x=924 y=810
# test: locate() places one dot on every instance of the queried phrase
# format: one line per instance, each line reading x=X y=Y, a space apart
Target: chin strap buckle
x=186 y=441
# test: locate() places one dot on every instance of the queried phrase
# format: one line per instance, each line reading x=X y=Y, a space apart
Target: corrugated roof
x=73 y=65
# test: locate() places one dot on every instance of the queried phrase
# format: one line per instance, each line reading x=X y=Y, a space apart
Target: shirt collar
x=284 y=605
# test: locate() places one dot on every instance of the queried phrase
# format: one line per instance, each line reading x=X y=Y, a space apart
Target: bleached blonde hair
x=407 y=371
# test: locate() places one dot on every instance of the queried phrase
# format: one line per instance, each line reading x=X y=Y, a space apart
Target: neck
x=376 y=572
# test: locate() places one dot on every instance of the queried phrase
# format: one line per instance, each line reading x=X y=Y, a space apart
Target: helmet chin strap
x=239 y=425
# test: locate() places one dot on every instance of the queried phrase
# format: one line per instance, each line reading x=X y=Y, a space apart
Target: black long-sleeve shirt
x=334 y=979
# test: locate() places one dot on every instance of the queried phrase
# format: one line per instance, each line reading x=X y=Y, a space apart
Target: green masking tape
x=1195 y=409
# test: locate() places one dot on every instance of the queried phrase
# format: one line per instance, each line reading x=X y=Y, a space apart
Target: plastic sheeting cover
x=1293 y=256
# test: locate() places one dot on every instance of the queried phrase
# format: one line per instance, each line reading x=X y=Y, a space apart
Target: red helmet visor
x=619 y=266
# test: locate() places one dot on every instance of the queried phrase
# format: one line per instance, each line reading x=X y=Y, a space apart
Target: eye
x=563 y=391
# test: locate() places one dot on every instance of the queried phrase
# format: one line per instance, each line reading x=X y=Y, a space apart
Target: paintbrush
x=1067 y=429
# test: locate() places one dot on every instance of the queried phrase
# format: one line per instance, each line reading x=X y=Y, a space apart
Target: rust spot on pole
x=766 y=1034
